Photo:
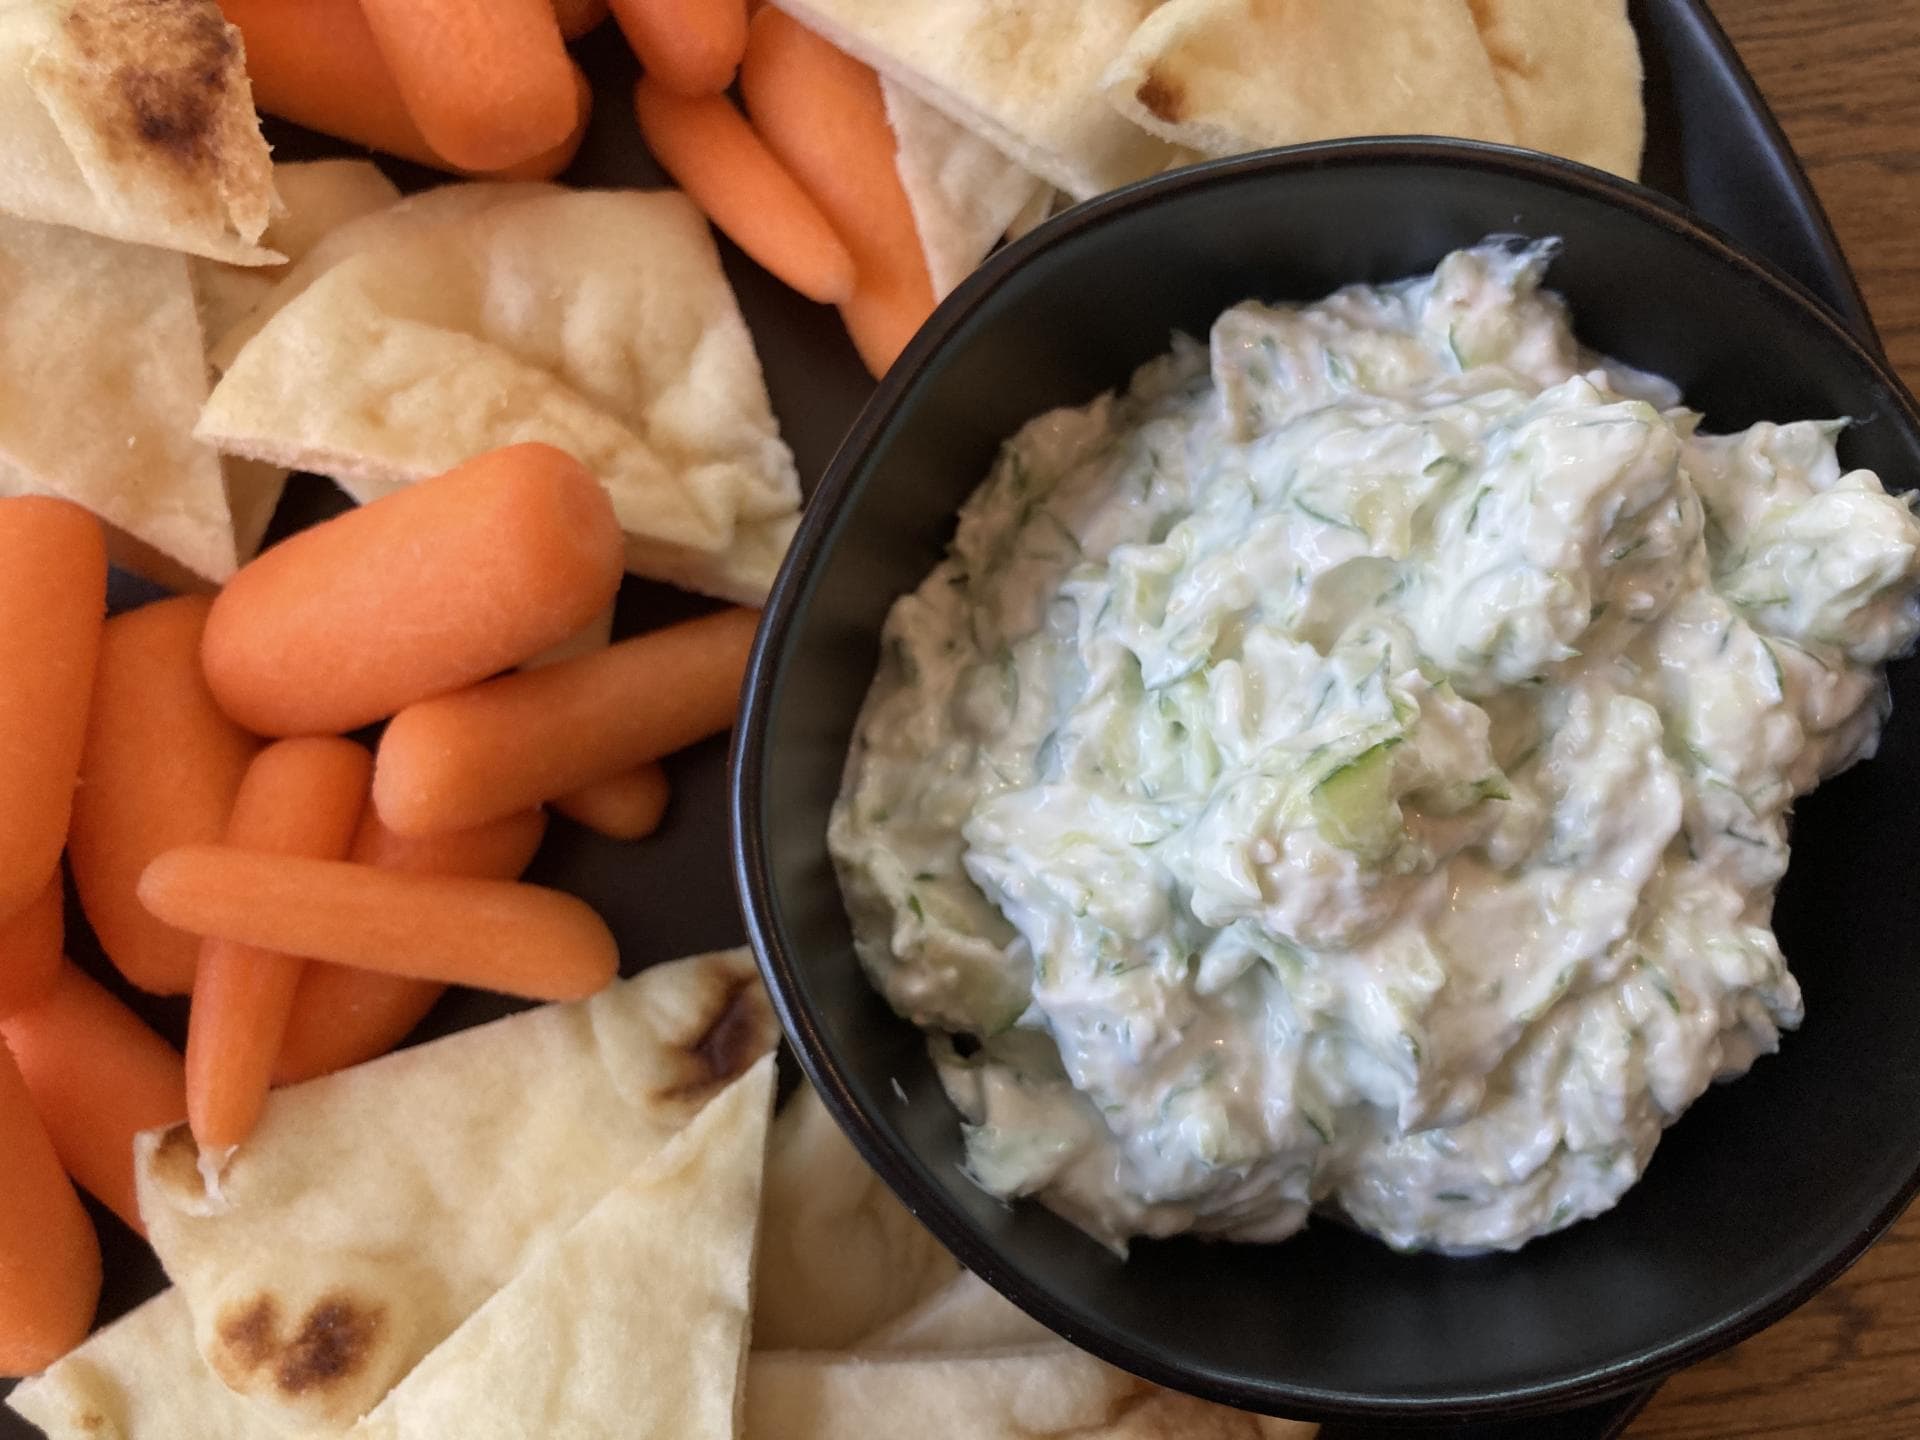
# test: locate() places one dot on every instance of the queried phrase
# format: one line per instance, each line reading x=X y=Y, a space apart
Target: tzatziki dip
x=1350 y=769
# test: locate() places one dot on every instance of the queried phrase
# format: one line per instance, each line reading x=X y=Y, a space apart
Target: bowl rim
x=820 y=525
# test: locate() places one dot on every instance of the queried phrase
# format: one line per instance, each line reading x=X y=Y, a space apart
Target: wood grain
x=1844 y=78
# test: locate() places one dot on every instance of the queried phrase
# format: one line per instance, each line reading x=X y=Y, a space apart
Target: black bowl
x=1766 y=1190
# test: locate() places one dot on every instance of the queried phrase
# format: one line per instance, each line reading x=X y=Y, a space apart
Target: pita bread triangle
x=630 y=1326
x=964 y=193
x=1024 y=76
x=106 y=374
x=139 y=1378
x=1228 y=76
x=133 y=119
x=376 y=1209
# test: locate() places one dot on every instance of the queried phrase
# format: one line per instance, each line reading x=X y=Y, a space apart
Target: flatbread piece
x=632 y=1325
x=1228 y=76
x=376 y=1209
x=1022 y=75
x=133 y=119
x=595 y=321
x=1571 y=75
x=964 y=193
x=105 y=376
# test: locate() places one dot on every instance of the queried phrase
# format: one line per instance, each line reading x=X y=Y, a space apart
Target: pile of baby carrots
x=804 y=181
x=227 y=838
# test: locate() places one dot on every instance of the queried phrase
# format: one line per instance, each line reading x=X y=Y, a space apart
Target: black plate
x=1711 y=144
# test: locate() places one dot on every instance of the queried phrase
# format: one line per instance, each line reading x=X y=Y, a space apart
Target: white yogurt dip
x=1351 y=769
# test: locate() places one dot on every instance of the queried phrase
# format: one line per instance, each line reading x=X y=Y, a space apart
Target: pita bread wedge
x=253 y=493
x=965 y=1314
x=374 y=1210
x=632 y=1325
x=1226 y=76
x=133 y=119
x=596 y=321
x=317 y=197
x=140 y=1378
x=1165 y=1415
x=418 y=212
x=1044 y=1391
x=1571 y=75
x=1045 y=204
x=1022 y=76
x=964 y=193
x=839 y=1256
x=104 y=380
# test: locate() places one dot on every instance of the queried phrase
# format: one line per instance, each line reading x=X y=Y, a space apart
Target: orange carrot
x=577 y=17
x=493 y=934
x=431 y=588
x=99 y=1077
x=881 y=319
x=342 y=1016
x=712 y=153
x=161 y=767
x=30 y=948
x=516 y=741
x=53 y=598
x=49 y=1256
x=303 y=798
x=821 y=113
x=488 y=84
x=627 y=806
x=316 y=63
x=691 y=47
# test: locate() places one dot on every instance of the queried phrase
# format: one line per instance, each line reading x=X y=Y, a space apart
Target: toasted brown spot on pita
x=1162 y=96
x=162 y=75
x=250 y=1335
x=332 y=1342
x=741 y=1031
x=91 y=1420
x=176 y=1161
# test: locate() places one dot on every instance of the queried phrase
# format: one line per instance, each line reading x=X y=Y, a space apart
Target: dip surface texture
x=1351 y=769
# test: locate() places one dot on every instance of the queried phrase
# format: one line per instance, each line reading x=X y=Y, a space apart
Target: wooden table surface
x=1844 y=78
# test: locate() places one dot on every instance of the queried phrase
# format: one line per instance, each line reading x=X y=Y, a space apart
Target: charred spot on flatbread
x=738 y=1030
x=169 y=64
x=162 y=85
x=332 y=1343
x=1162 y=96
x=176 y=1161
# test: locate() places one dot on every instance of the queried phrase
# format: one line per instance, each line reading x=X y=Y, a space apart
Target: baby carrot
x=577 y=17
x=472 y=756
x=881 y=319
x=712 y=153
x=627 y=806
x=316 y=63
x=821 y=112
x=160 y=768
x=300 y=797
x=53 y=599
x=488 y=84
x=49 y=1256
x=692 y=47
x=98 y=1077
x=492 y=934
x=30 y=948
x=342 y=1016
x=428 y=589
